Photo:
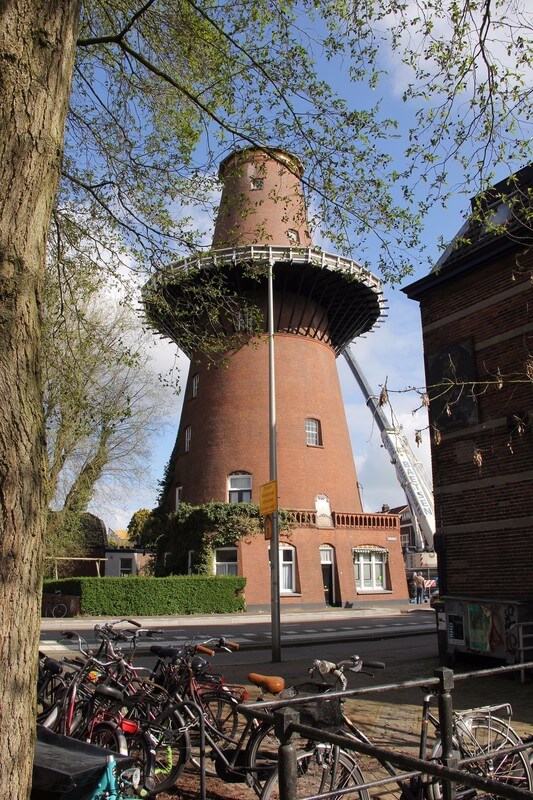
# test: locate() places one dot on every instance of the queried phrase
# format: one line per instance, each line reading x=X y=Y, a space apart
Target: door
x=326 y=561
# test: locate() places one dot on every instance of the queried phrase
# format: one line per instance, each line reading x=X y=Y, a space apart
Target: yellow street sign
x=268 y=498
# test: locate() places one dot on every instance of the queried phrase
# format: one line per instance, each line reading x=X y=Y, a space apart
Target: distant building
x=425 y=562
x=337 y=554
x=477 y=322
x=122 y=562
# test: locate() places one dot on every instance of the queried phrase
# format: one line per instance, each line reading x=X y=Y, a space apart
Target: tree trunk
x=37 y=45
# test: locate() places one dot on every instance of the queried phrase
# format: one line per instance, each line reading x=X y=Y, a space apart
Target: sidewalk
x=190 y=620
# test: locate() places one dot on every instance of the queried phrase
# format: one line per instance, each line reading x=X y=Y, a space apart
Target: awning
x=370 y=548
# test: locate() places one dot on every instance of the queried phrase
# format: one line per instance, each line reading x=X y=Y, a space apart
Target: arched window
x=240 y=487
x=313 y=434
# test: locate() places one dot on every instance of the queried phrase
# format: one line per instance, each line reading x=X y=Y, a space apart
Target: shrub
x=177 y=594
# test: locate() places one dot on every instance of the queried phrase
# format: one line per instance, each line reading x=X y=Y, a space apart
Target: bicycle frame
x=107 y=787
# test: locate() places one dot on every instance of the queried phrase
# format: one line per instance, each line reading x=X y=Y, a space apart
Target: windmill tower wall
x=224 y=428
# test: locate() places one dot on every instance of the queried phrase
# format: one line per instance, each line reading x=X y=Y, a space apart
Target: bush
x=178 y=594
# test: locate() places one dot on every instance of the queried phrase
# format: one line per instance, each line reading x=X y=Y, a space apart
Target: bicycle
x=322 y=768
x=56 y=608
x=476 y=734
x=186 y=675
x=107 y=702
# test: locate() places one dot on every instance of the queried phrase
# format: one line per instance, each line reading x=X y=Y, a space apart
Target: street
x=391 y=638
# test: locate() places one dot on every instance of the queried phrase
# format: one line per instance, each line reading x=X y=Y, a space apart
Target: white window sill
x=374 y=591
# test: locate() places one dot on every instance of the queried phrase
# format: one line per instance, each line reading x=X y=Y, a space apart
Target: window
x=188 y=432
x=326 y=554
x=370 y=566
x=178 y=497
x=244 y=321
x=313 y=436
x=287 y=568
x=497 y=216
x=293 y=236
x=195 y=383
x=126 y=567
x=226 y=561
x=450 y=371
x=240 y=487
x=257 y=183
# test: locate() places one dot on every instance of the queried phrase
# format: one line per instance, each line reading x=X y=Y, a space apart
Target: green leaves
x=162 y=91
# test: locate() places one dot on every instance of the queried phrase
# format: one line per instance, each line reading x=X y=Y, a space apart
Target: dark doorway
x=327 y=577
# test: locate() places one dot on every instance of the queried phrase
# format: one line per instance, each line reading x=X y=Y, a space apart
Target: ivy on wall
x=201 y=529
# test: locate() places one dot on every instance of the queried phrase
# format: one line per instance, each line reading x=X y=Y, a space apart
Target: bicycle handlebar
x=200 y=648
x=374 y=664
x=354 y=664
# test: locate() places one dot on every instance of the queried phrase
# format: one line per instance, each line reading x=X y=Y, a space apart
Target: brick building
x=337 y=554
x=477 y=322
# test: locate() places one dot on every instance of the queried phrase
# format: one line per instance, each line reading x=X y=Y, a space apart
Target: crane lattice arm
x=409 y=471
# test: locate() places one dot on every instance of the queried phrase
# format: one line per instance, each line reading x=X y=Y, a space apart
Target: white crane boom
x=409 y=471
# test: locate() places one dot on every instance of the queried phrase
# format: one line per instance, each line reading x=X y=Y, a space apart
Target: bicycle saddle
x=272 y=684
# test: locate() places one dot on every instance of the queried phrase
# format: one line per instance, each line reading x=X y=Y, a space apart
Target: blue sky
x=392 y=352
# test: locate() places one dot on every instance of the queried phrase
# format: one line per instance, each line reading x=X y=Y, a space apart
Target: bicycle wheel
x=220 y=712
x=169 y=741
x=322 y=768
x=139 y=748
x=109 y=735
x=262 y=754
x=59 y=610
x=221 y=726
x=49 y=696
x=477 y=735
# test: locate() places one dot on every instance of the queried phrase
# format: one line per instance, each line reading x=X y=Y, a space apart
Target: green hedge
x=178 y=594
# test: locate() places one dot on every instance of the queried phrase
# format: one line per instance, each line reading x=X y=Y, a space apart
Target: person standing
x=420 y=588
x=412 y=588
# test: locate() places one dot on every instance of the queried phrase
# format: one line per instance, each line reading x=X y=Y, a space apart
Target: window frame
x=370 y=569
x=225 y=564
x=188 y=437
x=313 y=433
x=178 y=491
x=194 y=385
x=282 y=549
x=123 y=571
x=240 y=491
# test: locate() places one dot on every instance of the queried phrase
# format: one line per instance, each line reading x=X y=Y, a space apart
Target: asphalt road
x=255 y=636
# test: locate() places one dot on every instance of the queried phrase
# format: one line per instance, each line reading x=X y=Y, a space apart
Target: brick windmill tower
x=337 y=554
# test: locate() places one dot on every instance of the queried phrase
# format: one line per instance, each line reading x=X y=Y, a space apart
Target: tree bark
x=37 y=46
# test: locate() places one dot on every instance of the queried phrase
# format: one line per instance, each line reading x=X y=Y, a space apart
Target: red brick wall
x=486 y=511
x=229 y=420
x=253 y=561
x=249 y=216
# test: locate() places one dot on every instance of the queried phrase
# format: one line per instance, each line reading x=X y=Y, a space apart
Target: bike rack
x=285 y=716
